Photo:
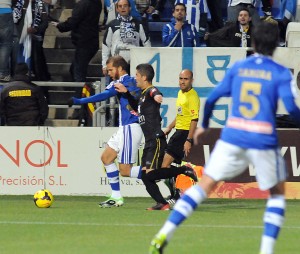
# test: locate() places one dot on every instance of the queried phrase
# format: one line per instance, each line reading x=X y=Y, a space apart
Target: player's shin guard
x=183 y=209
x=273 y=220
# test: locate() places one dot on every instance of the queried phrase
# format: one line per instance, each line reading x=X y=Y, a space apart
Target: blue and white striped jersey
x=193 y=10
x=255 y=85
x=126 y=114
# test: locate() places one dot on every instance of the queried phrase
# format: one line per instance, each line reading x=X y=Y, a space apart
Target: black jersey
x=149 y=114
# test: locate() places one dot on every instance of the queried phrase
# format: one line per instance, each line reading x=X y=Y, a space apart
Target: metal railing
x=99 y=115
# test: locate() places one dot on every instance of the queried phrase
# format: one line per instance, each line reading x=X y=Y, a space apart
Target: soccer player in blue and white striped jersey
x=125 y=142
x=249 y=137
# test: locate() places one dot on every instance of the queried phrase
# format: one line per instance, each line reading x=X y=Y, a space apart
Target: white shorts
x=228 y=161
x=126 y=142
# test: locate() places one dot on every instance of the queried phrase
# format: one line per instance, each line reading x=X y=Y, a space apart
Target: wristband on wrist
x=189 y=140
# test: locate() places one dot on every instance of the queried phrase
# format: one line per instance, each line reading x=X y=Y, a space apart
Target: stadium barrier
x=66 y=160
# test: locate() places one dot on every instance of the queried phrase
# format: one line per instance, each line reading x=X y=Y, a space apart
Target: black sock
x=152 y=189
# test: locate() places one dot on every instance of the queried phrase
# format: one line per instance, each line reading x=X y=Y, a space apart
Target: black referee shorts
x=175 y=145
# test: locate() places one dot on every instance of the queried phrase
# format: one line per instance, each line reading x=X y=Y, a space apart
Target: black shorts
x=175 y=145
x=153 y=153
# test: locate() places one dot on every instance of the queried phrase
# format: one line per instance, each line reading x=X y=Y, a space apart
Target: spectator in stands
x=196 y=14
x=16 y=39
x=83 y=25
x=31 y=21
x=235 y=6
x=111 y=14
x=151 y=7
x=15 y=51
x=179 y=33
x=145 y=9
x=37 y=32
x=215 y=9
x=158 y=8
x=123 y=33
x=139 y=9
x=22 y=102
x=267 y=10
x=267 y=7
x=236 y=34
x=6 y=38
x=287 y=14
x=49 y=5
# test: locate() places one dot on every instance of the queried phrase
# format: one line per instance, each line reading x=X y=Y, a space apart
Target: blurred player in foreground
x=255 y=85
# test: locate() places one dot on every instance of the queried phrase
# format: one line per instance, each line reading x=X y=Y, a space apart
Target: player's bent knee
x=105 y=160
x=108 y=157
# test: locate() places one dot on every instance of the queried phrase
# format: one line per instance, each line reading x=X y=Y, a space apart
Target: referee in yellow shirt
x=185 y=123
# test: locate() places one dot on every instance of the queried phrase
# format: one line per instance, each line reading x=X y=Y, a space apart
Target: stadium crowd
x=24 y=22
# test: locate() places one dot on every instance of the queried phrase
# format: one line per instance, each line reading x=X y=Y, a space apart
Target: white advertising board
x=65 y=159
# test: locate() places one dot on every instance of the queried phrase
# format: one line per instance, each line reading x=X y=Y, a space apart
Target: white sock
x=267 y=245
x=135 y=172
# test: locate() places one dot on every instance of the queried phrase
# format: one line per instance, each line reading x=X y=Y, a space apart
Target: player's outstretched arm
x=95 y=98
x=71 y=102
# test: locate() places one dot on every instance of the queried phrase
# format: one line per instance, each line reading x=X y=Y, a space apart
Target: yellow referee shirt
x=187 y=105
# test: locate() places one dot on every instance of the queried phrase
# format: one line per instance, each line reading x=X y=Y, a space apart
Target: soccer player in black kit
x=148 y=108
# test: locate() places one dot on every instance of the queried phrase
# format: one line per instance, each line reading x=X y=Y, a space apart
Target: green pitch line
x=132 y=225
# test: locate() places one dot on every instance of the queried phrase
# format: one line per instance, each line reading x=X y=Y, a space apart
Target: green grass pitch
x=77 y=225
